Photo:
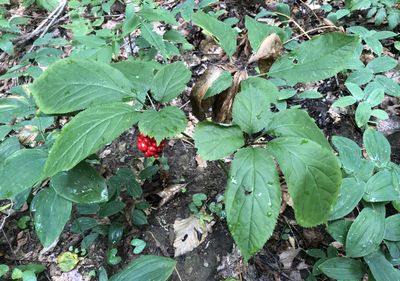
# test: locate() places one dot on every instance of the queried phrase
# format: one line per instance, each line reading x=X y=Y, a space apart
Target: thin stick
x=177 y=273
x=309 y=31
x=292 y=20
x=7 y=216
x=57 y=13
x=151 y=101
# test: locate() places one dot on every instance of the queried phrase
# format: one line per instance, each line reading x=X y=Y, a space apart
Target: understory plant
x=369 y=241
x=99 y=97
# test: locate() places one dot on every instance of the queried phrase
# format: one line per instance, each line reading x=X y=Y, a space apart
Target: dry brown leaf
x=270 y=48
x=287 y=257
x=222 y=108
x=169 y=192
x=27 y=135
x=200 y=106
x=189 y=233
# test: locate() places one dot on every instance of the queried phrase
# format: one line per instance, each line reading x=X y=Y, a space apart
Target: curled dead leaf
x=27 y=135
x=287 y=257
x=200 y=106
x=189 y=234
x=222 y=108
x=270 y=47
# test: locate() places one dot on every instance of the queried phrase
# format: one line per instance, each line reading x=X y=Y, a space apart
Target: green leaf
x=170 y=81
x=381 y=268
x=363 y=113
x=223 y=82
x=380 y=188
x=310 y=95
x=349 y=153
x=112 y=257
x=224 y=34
x=86 y=133
x=153 y=38
x=380 y=114
x=139 y=217
x=258 y=31
x=344 y=101
x=146 y=268
x=138 y=245
x=377 y=147
x=252 y=199
x=339 y=229
x=214 y=141
x=316 y=253
x=3 y=269
x=131 y=21
x=14 y=106
x=360 y=76
x=21 y=171
x=29 y=276
x=4 y=130
x=49 y=5
x=166 y=123
x=366 y=232
x=82 y=224
x=251 y=110
x=365 y=171
x=351 y=192
x=355 y=91
x=81 y=184
x=375 y=97
x=71 y=84
x=158 y=14
x=341 y=268
x=316 y=59
x=297 y=123
x=139 y=73
x=392 y=228
x=262 y=85
x=382 y=64
x=51 y=214
x=67 y=261
x=391 y=87
x=8 y=147
x=111 y=208
x=312 y=175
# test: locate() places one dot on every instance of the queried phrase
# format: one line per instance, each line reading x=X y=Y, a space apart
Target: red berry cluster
x=148 y=146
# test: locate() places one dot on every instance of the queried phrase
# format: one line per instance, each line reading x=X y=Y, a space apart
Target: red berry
x=148 y=145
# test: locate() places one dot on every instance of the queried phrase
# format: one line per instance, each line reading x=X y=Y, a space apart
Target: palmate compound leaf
x=165 y=123
x=312 y=175
x=214 y=141
x=86 y=133
x=51 y=214
x=317 y=59
x=20 y=171
x=146 y=268
x=252 y=199
x=71 y=84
